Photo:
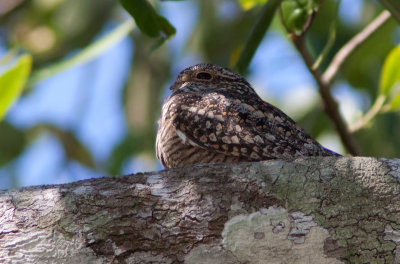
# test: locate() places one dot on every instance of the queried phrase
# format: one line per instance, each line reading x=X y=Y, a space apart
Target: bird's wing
x=246 y=127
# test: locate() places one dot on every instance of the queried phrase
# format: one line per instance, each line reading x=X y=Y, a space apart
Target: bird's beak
x=175 y=86
x=180 y=82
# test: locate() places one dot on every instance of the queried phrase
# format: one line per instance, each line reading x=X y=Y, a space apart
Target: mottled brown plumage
x=214 y=115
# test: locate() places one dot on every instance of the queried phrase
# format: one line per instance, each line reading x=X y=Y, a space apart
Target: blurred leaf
x=49 y=30
x=147 y=19
x=133 y=144
x=395 y=102
x=160 y=40
x=12 y=83
x=167 y=30
x=73 y=147
x=86 y=54
x=393 y=6
x=9 y=55
x=382 y=138
x=157 y=44
x=315 y=122
x=120 y=154
x=390 y=75
x=296 y=13
x=12 y=142
x=322 y=56
x=248 y=4
x=256 y=35
x=331 y=38
x=234 y=57
x=206 y=38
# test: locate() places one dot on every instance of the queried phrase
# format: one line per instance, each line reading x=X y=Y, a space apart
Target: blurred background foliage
x=90 y=105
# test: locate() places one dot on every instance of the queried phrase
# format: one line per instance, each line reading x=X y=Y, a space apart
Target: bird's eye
x=203 y=76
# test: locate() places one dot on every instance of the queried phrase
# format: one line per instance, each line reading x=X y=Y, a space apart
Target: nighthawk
x=214 y=115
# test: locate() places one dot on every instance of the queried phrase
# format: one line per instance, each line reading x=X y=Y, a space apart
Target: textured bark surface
x=314 y=210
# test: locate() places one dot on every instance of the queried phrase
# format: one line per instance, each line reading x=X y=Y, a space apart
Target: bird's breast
x=174 y=150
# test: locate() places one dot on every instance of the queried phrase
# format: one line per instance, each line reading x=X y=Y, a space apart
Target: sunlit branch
x=375 y=109
x=344 y=53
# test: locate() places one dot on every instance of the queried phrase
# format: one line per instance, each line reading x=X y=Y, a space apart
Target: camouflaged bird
x=214 y=115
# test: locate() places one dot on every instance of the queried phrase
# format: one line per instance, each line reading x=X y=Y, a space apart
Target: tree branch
x=312 y=210
x=331 y=106
x=344 y=53
x=375 y=109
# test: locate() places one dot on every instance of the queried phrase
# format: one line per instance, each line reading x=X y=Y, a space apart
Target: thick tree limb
x=314 y=210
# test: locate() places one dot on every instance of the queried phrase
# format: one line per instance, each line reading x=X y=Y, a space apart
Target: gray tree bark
x=314 y=210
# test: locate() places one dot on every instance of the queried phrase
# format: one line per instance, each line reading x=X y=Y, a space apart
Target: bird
x=214 y=115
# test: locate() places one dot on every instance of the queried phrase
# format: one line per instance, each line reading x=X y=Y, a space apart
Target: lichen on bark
x=341 y=209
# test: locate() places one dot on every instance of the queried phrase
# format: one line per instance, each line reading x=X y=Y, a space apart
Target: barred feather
x=214 y=115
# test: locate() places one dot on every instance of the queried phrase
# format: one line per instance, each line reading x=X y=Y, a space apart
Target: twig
x=344 y=53
x=375 y=109
x=331 y=106
x=328 y=46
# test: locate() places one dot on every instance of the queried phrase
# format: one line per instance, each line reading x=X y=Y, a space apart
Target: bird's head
x=209 y=77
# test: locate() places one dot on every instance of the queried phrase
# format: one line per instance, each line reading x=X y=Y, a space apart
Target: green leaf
x=248 y=4
x=393 y=6
x=12 y=83
x=296 y=13
x=93 y=50
x=147 y=19
x=395 y=102
x=167 y=30
x=390 y=74
x=328 y=46
x=121 y=152
x=331 y=40
x=256 y=35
